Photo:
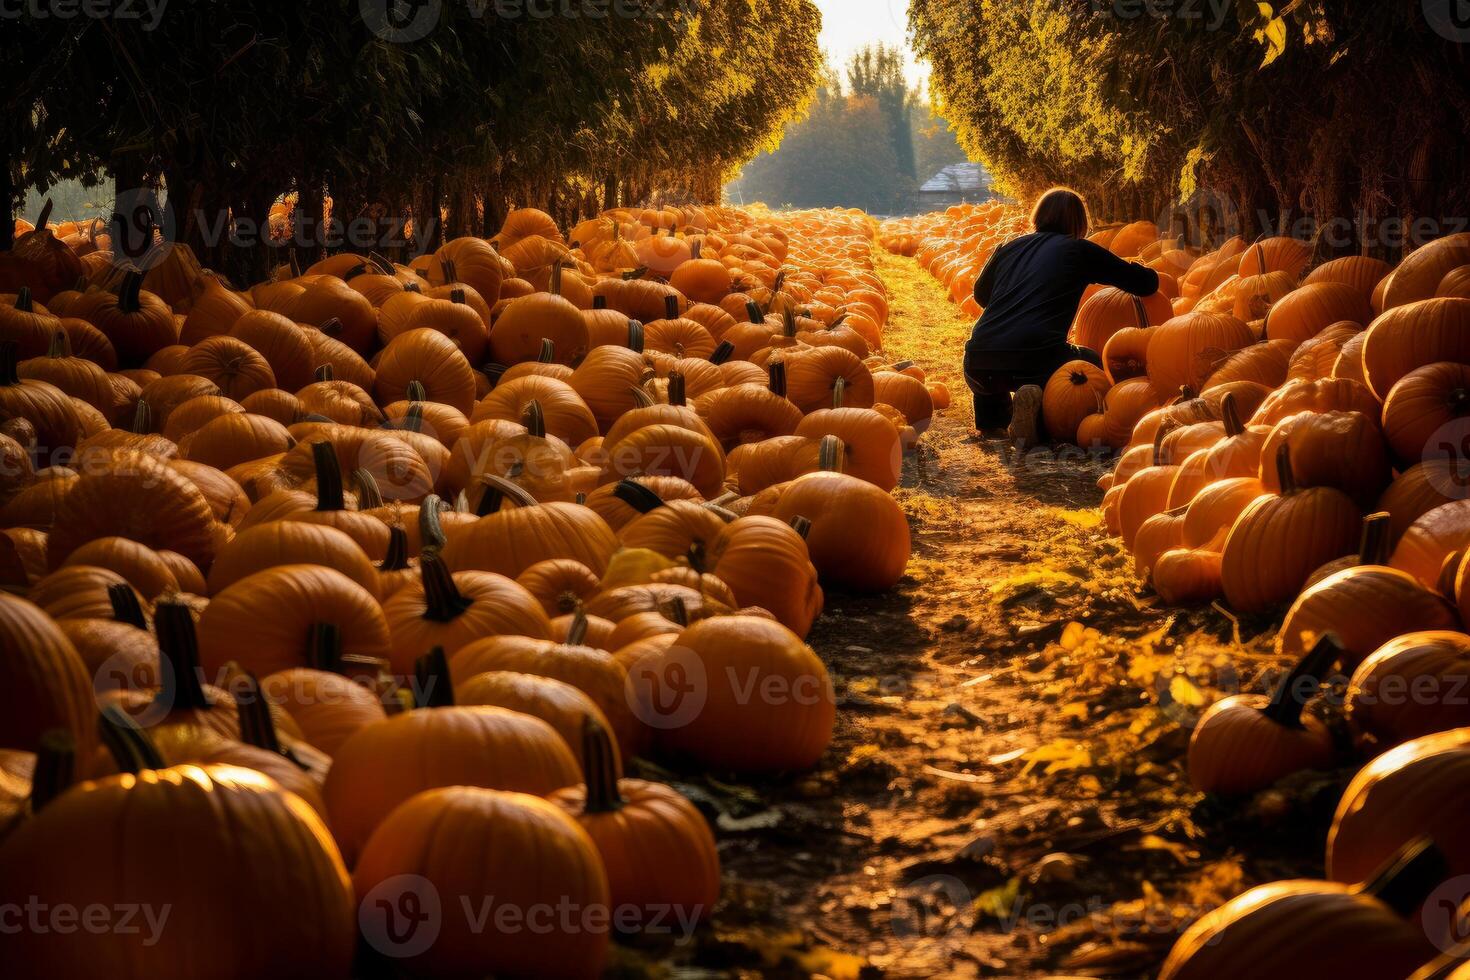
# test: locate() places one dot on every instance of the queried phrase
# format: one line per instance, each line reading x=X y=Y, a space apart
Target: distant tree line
x=868 y=141
x=454 y=109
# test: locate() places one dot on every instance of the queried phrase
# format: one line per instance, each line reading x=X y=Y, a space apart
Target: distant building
x=958 y=183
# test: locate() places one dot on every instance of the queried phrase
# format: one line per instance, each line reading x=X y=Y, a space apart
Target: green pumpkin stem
x=55 y=768
x=443 y=602
x=533 y=417
x=600 y=770
x=396 y=560
x=432 y=687
x=125 y=605
x=431 y=531
x=128 y=300
x=1302 y=683
x=776 y=371
x=496 y=490
x=1374 y=549
x=324 y=372
x=178 y=649
x=636 y=495
x=368 y=494
x=330 y=494
x=641 y=397
x=416 y=392
x=1407 y=879
x=831 y=454
x=324 y=647
x=131 y=748
x=413 y=418
x=577 y=629
x=677 y=396
x=142 y=418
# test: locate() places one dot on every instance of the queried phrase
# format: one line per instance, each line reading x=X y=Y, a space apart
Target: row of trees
x=868 y=142
x=1344 y=120
x=454 y=107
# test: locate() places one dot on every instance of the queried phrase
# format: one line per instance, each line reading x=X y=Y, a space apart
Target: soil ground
x=1006 y=794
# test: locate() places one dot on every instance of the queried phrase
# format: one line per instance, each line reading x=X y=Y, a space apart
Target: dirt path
x=1006 y=794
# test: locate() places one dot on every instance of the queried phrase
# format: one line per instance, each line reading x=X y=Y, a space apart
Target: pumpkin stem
x=329 y=491
x=1374 y=548
x=600 y=769
x=324 y=647
x=127 y=295
x=636 y=495
x=1283 y=471
x=125 y=605
x=431 y=532
x=493 y=373
x=383 y=264
x=60 y=346
x=788 y=323
x=23 y=301
x=555 y=288
x=397 y=558
x=722 y=353
x=1141 y=312
x=577 y=629
x=641 y=398
x=9 y=363
x=1230 y=414
x=839 y=391
x=533 y=417
x=368 y=494
x=496 y=489
x=416 y=392
x=635 y=336
x=55 y=769
x=676 y=610
x=1409 y=877
x=1303 y=682
x=831 y=454
x=451 y=274
x=324 y=372
x=671 y=307
x=413 y=287
x=599 y=302
x=432 y=687
x=178 y=649
x=130 y=746
x=777 y=372
x=257 y=727
x=443 y=602
x=548 y=351
x=413 y=418
x=142 y=417
x=753 y=312
x=695 y=248
x=676 y=389
x=1159 y=435
x=801 y=526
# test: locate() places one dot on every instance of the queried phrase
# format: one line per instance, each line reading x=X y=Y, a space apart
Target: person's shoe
x=1026 y=417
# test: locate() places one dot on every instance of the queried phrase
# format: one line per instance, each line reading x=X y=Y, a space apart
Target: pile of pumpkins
x=1292 y=438
x=381 y=572
x=953 y=245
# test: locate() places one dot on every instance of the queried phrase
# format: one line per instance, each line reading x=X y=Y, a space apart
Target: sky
x=848 y=25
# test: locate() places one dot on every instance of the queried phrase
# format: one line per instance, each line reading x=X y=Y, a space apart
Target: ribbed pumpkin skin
x=1421 y=272
x=511 y=541
x=1186 y=350
x=1277 y=542
x=1365 y=607
x=1420 y=787
x=1264 y=363
x=1421 y=404
x=1330 y=449
x=1110 y=310
x=146 y=840
x=1292 y=930
x=1322 y=395
x=47 y=686
x=470 y=844
x=389 y=761
x=1420 y=489
x=1160 y=533
x=1407 y=337
x=1236 y=749
x=1361 y=272
x=1183 y=576
x=1074 y=392
x=1310 y=309
x=1214 y=510
x=1414 y=685
x=1426 y=543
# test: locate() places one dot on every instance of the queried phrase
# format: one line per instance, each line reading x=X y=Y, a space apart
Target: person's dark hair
x=1062 y=211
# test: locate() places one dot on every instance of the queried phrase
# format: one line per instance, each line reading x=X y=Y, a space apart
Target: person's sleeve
x=986 y=282
x=1102 y=266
